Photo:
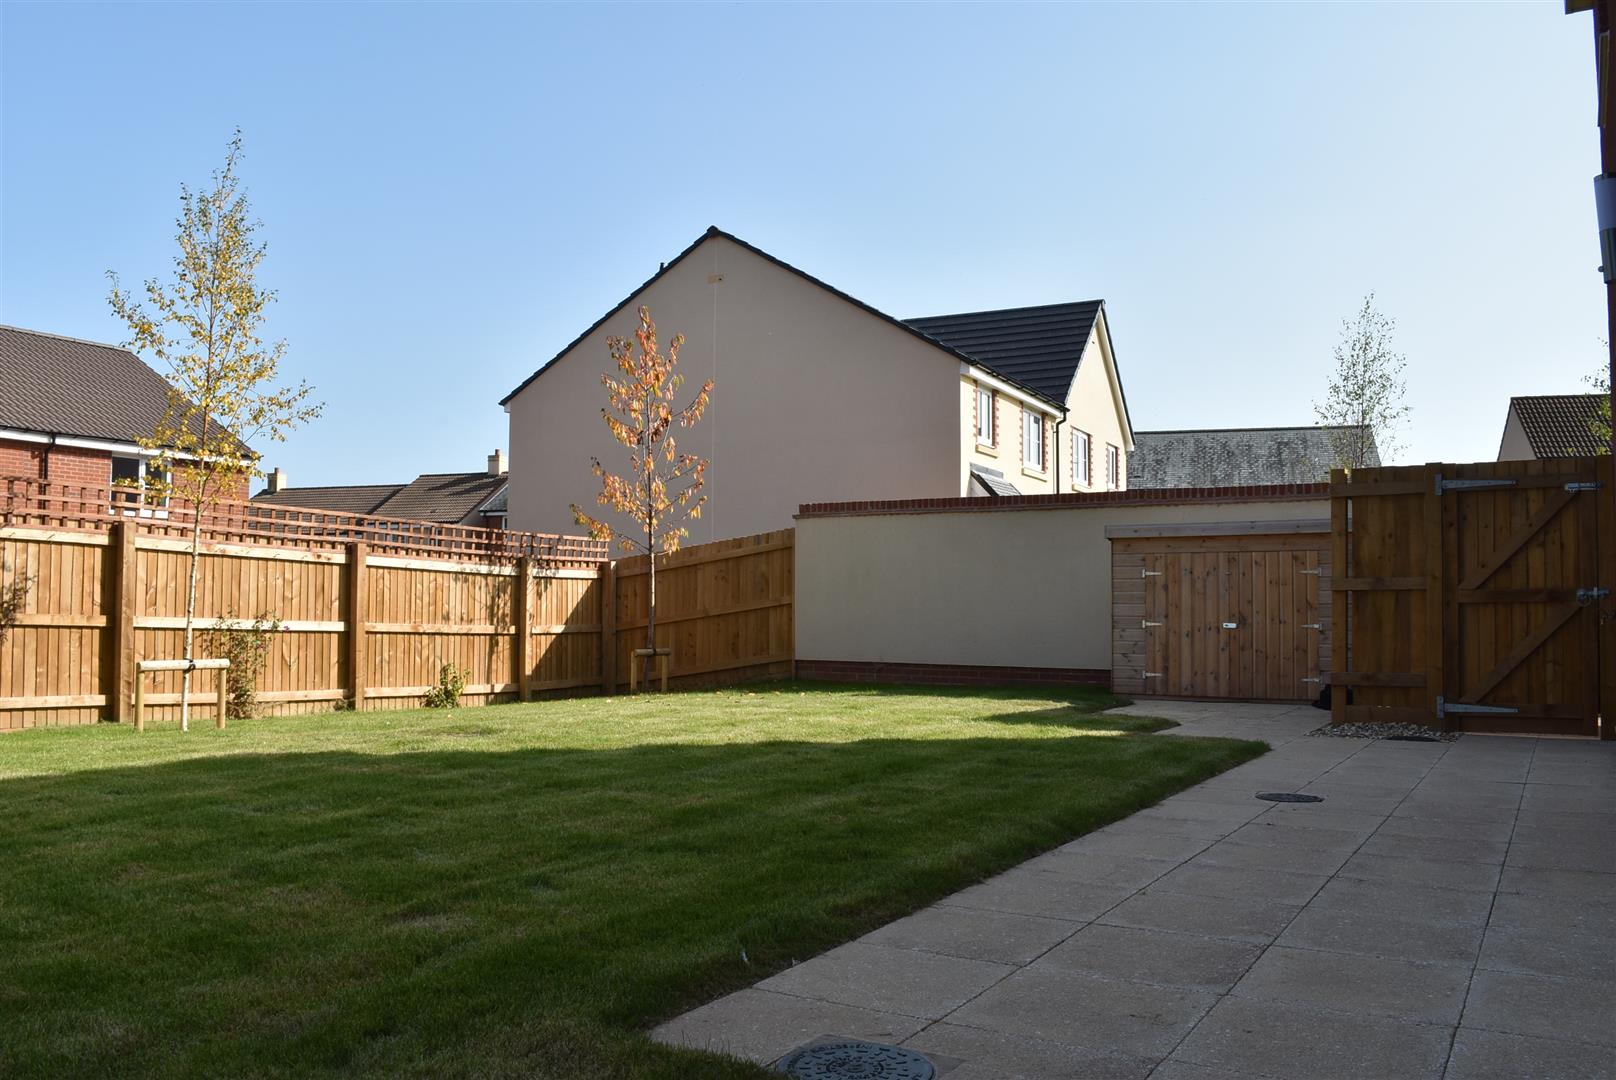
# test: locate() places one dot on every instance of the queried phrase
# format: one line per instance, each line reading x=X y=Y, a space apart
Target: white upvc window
x=984 y=416
x=1082 y=458
x=1032 y=439
x=133 y=481
x=1113 y=467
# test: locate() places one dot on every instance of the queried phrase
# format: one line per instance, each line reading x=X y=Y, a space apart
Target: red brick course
x=1131 y=497
x=63 y=464
x=950 y=674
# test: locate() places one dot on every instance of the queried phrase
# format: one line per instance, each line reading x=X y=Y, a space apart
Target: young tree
x=1600 y=424
x=206 y=325
x=663 y=487
x=1364 y=401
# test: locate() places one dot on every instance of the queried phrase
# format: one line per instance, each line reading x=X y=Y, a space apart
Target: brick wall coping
x=1142 y=497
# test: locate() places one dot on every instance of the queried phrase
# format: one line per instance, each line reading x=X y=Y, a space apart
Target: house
x=74 y=412
x=472 y=498
x=820 y=397
x=1240 y=457
x=1555 y=425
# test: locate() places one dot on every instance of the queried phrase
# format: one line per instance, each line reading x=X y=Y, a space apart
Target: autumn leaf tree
x=1364 y=398
x=206 y=325
x=662 y=489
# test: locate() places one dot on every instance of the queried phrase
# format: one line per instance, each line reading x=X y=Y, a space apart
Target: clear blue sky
x=451 y=193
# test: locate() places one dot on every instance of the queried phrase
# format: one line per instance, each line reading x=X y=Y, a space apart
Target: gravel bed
x=1385 y=730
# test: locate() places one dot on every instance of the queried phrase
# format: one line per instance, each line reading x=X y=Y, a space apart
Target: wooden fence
x=1473 y=597
x=370 y=610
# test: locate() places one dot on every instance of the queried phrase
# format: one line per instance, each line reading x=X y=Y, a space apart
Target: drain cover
x=854 y=1060
x=1288 y=796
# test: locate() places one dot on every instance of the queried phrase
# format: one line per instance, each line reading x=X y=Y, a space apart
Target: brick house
x=73 y=412
x=471 y=498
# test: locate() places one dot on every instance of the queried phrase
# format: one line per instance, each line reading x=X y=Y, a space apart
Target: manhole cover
x=853 y=1059
x=1288 y=796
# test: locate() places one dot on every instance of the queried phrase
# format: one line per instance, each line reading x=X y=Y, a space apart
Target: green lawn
x=511 y=890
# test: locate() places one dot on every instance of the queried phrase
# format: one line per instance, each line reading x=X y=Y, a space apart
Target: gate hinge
x=1459 y=708
x=1150 y=573
x=1312 y=626
x=1584 y=485
x=1469 y=485
x=1591 y=595
x=1154 y=674
x=1316 y=678
x=1146 y=624
x=1316 y=571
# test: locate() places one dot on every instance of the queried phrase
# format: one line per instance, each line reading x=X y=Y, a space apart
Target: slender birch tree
x=206 y=325
x=1364 y=399
x=662 y=489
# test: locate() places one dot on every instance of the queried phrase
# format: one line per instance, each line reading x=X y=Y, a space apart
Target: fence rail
x=366 y=622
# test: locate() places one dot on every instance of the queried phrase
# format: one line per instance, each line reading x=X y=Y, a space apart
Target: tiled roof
x=442 y=497
x=1563 y=425
x=445 y=497
x=347 y=499
x=1039 y=347
x=994 y=481
x=1228 y=457
x=64 y=386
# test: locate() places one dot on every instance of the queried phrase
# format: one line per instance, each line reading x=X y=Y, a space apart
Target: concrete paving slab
x=1267 y=1038
x=1028 y=892
x=1372 y=985
x=1154 y=956
x=1202 y=879
x=997 y=936
x=1551 y=950
x=1578 y=1010
x=1437 y=848
x=1237 y=918
x=1368 y=932
x=1493 y=1055
x=901 y=981
x=1477 y=877
x=1401 y=900
x=1291 y=858
x=990 y=1055
x=762 y=1026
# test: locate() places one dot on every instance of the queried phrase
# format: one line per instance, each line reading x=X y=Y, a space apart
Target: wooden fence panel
x=101 y=601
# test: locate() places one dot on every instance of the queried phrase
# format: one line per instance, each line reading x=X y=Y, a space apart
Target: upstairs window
x=1032 y=439
x=1113 y=468
x=985 y=414
x=1082 y=458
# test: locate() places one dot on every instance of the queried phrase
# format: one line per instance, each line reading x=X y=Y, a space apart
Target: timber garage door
x=1224 y=613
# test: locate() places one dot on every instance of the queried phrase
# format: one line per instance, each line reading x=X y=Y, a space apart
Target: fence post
x=608 y=627
x=121 y=622
x=524 y=627
x=1435 y=602
x=355 y=620
x=1340 y=600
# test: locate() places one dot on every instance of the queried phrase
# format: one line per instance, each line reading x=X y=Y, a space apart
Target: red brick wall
x=62 y=464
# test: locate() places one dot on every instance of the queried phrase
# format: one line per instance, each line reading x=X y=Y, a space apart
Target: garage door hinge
x=1459 y=708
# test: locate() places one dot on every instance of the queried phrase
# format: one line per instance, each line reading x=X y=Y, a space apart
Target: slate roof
x=1039 y=347
x=993 y=480
x=1058 y=399
x=1229 y=457
x=1562 y=425
x=441 y=497
x=346 y=499
x=65 y=386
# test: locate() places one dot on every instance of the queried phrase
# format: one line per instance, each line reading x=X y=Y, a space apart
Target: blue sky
x=452 y=192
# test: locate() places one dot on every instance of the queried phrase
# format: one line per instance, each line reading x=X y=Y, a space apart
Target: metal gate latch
x=1591 y=596
x=1584 y=485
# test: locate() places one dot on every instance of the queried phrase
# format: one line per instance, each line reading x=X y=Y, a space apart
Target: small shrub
x=246 y=646
x=12 y=597
x=446 y=695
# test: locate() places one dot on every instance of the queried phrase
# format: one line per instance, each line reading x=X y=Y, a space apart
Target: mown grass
x=512 y=890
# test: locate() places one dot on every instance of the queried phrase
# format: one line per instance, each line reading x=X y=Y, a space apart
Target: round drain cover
x=853 y=1060
x=1288 y=796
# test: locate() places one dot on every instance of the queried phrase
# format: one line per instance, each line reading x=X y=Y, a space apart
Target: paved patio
x=1448 y=911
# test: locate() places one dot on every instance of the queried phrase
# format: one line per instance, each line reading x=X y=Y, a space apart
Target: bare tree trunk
x=190 y=620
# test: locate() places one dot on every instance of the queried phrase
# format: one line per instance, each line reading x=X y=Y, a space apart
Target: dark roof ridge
x=1009 y=310
x=715 y=231
x=1279 y=427
x=68 y=337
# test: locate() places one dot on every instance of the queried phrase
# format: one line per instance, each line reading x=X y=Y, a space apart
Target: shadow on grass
x=497 y=912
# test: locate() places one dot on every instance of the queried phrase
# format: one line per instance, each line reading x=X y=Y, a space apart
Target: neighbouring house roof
x=1058 y=400
x=345 y=499
x=1229 y=457
x=55 y=385
x=1039 y=347
x=499 y=504
x=1563 y=425
x=441 y=497
x=993 y=480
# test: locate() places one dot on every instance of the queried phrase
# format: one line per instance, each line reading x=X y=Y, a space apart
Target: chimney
x=496 y=463
x=277 y=481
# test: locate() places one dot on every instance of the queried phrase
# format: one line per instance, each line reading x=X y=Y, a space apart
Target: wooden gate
x=1472 y=595
x=1222 y=616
